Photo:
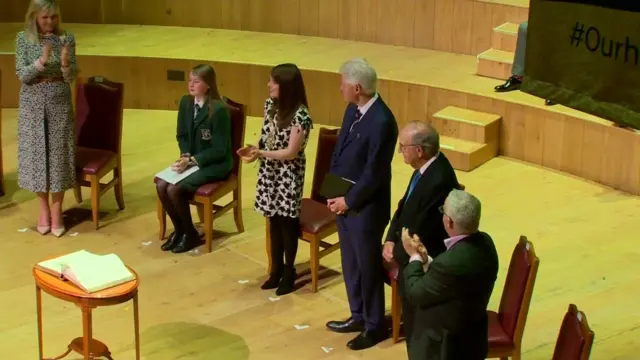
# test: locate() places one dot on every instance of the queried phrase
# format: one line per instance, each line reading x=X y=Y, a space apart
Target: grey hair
x=464 y=210
x=426 y=136
x=359 y=72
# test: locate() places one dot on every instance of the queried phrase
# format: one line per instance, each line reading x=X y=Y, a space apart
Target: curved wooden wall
x=459 y=26
x=557 y=137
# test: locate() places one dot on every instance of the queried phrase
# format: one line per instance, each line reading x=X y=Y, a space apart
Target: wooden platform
x=415 y=83
x=192 y=306
x=459 y=26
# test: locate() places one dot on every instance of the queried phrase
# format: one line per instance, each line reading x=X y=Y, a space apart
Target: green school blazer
x=208 y=140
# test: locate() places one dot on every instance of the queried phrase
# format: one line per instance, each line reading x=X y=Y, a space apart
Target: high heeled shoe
x=58 y=232
x=44 y=229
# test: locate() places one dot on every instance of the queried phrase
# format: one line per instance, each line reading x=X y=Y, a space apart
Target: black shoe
x=187 y=242
x=273 y=281
x=512 y=83
x=287 y=283
x=173 y=240
x=347 y=326
x=367 y=339
x=549 y=102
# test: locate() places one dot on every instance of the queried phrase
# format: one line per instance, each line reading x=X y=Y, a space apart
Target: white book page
x=173 y=177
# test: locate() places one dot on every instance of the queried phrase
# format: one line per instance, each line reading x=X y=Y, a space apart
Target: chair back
x=238 y=124
x=518 y=289
x=575 y=338
x=327 y=140
x=99 y=111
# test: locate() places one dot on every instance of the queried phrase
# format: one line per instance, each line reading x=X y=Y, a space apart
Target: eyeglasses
x=401 y=147
x=441 y=209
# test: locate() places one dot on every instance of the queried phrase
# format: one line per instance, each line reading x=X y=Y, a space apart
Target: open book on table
x=88 y=271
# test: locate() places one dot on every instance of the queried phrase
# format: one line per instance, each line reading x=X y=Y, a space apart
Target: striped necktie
x=198 y=108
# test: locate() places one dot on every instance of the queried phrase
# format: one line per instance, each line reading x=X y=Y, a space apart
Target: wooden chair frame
x=93 y=181
x=515 y=352
x=317 y=246
x=208 y=211
x=585 y=330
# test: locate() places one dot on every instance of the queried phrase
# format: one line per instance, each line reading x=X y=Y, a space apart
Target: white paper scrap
x=301 y=327
x=147 y=243
x=23 y=230
x=274 y=298
x=243 y=281
x=74 y=234
x=326 y=349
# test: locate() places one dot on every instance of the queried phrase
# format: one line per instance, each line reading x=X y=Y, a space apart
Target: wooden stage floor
x=193 y=307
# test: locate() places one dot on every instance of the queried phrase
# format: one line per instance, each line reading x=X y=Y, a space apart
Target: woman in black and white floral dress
x=46 y=66
x=282 y=168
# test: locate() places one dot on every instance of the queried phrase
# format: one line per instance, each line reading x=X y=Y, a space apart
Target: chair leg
x=77 y=191
x=314 y=262
x=237 y=210
x=200 y=209
x=117 y=173
x=162 y=219
x=208 y=225
x=95 y=200
x=268 y=244
x=396 y=311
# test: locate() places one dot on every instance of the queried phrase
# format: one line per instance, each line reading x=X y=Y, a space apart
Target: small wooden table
x=67 y=291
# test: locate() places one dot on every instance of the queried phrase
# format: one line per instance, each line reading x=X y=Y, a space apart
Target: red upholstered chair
x=575 y=338
x=316 y=221
x=507 y=325
x=99 y=112
x=206 y=196
x=396 y=299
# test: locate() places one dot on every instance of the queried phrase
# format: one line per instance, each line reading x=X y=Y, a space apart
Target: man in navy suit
x=363 y=154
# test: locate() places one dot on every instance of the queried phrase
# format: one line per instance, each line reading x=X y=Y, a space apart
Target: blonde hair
x=31 y=21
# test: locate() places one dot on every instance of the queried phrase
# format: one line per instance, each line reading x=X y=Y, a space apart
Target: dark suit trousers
x=361 y=252
x=408 y=310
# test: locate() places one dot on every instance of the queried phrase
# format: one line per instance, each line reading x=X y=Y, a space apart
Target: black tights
x=285 y=232
x=175 y=200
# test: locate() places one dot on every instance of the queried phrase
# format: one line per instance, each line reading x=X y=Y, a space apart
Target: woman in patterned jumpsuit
x=46 y=66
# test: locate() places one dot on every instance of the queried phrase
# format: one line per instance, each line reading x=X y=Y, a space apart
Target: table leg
x=86 y=331
x=39 y=314
x=136 y=325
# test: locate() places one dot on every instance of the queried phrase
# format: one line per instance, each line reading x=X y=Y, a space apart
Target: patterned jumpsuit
x=46 y=127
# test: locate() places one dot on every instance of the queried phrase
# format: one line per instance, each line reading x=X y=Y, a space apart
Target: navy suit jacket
x=364 y=155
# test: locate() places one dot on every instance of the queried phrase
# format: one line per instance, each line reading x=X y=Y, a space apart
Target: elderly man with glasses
x=432 y=180
x=452 y=294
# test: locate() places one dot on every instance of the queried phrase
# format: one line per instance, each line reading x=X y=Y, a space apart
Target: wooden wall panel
x=459 y=26
x=596 y=151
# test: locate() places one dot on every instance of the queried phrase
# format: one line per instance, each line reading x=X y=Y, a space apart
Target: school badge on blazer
x=206 y=134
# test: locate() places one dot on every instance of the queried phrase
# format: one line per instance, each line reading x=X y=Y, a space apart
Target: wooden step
x=495 y=64
x=468 y=125
x=504 y=37
x=465 y=155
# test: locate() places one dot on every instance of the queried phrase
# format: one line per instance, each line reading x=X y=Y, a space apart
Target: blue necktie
x=414 y=182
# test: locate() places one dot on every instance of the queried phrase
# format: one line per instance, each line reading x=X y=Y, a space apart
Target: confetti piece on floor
x=23 y=230
x=301 y=327
x=243 y=281
x=74 y=234
x=147 y=243
x=274 y=298
x=326 y=349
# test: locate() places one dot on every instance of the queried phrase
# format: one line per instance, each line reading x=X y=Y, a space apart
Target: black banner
x=585 y=57
x=625 y=5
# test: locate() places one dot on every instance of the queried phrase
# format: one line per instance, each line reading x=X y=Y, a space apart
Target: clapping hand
x=180 y=165
x=46 y=53
x=249 y=153
x=64 y=55
x=413 y=245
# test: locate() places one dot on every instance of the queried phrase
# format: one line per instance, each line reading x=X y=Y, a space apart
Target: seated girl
x=204 y=139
